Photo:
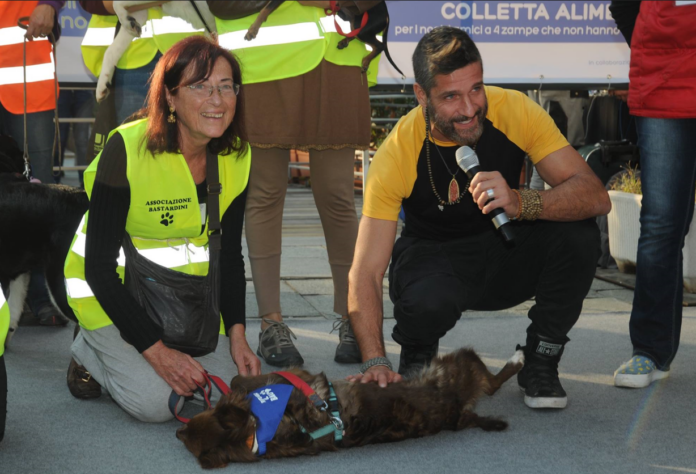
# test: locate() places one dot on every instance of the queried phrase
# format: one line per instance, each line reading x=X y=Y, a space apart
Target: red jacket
x=663 y=61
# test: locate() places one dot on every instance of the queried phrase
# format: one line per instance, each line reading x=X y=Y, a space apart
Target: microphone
x=469 y=162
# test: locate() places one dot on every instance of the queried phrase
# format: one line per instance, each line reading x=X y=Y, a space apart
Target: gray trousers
x=130 y=380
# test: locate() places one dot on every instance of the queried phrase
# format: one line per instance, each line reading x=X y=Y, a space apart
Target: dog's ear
x=233 y=416
x=214 y=458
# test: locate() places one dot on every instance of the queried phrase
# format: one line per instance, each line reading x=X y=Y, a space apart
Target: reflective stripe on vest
x=159 y=34
x=169 y=30
x=291 y=42
x=99 y=36
x=39 y=60
x=164 y=182
x=4 y=321
x=35 y=73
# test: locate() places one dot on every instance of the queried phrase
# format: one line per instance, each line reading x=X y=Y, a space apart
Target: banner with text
x=73 y=22
x=546 y=42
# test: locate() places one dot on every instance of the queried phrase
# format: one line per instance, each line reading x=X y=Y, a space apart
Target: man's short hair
x=442 y=51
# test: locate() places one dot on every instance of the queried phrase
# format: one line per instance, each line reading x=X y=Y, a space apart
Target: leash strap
x=336 y=426
x=200 y=16
x=334 y=9
x=304 y=388
x=205 y=389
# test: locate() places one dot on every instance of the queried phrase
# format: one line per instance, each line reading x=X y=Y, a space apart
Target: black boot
x=539 y=376
x=414 y=359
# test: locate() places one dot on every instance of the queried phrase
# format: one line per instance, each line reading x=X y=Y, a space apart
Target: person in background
x=303 y=93
x=40 y=108
x=662 y=98
x=74 y=104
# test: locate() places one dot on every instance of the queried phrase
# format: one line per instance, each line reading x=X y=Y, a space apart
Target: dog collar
x=253 y=443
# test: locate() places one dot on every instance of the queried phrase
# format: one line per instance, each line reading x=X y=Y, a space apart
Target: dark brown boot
x=81 y=383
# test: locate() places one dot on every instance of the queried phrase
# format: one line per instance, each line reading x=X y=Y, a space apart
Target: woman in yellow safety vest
x=150 y=181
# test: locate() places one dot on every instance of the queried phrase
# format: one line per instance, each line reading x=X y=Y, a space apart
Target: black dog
x=37 y=226
x=377 y=22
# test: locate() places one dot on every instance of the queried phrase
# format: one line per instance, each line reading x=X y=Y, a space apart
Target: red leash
x=205 y=389
x=304 y=388
x=333 y=10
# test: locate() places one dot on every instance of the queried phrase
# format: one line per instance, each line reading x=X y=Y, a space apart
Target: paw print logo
x=167 y=219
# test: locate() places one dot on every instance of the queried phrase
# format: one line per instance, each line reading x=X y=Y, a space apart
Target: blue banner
x=73 y=19
x=507 y=22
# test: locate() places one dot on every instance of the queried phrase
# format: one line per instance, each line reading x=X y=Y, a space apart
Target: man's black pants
x=431 y=283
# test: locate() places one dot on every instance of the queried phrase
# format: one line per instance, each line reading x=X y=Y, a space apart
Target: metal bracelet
x=374 y=362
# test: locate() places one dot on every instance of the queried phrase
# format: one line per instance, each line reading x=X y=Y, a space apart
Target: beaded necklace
x=454 y=196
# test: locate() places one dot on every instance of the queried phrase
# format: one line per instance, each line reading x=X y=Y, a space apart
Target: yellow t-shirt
x=515 y=126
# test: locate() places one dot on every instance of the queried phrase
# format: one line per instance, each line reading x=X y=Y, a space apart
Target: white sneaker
x=639 y=372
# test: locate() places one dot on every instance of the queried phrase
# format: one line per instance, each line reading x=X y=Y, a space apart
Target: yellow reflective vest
x=4 y=322
x=164 y=219
x=291 y=42
x=158 y=34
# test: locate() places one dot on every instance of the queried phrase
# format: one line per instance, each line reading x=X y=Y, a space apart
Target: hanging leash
x=195 y=7
x=333 y=10
x=24 y=24
x=205 y=389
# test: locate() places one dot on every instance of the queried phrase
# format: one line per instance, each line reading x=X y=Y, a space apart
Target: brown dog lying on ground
x=442 y=397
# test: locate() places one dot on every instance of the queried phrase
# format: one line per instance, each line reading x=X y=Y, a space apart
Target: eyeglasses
x=202 y=91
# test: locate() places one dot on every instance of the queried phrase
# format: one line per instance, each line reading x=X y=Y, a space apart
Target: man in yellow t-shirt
x=449 y=257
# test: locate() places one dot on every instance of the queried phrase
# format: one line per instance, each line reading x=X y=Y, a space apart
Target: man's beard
x=461 y=138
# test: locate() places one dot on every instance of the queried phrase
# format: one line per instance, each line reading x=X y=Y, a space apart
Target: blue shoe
x=639 y=372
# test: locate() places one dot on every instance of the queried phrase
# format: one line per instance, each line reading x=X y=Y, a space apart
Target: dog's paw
x=343 y=43
x=131 y=22
x=493 y=424
x=102 y=88
x=10 y=332
x=517 y=358
x=251 y=34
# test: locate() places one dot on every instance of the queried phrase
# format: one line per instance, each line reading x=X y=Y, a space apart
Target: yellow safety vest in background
x=158 y=34
x=291 y=42
x=4 y=322
x=162 y=192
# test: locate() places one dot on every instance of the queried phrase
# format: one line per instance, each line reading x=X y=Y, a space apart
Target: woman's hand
x=179 y=370
x=244 y=358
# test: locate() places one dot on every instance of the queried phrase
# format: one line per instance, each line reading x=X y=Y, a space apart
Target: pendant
x=453 y=190
x=441 y=207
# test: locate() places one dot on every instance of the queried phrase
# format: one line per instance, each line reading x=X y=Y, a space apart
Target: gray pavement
x=603 y=430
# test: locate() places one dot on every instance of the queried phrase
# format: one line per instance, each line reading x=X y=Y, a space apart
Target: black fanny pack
x=186 y=307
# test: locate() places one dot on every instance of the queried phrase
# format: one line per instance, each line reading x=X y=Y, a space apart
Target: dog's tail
x=386 y=48
x=513 y=365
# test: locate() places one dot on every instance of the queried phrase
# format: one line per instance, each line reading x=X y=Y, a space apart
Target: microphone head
x=466 y=158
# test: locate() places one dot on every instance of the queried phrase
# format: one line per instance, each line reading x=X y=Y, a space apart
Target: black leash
x=200 y=16
x=27 y=168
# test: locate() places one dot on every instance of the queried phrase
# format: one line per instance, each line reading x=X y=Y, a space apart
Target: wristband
x=375 y=361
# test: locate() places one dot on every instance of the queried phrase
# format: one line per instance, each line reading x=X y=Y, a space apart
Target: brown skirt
x=326 y=108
